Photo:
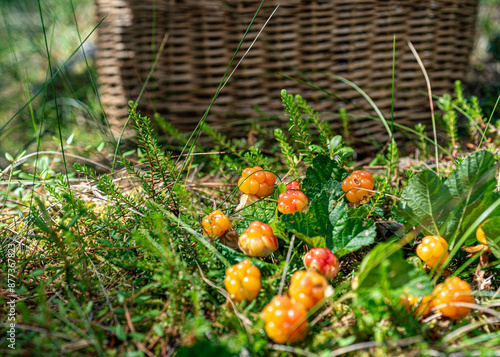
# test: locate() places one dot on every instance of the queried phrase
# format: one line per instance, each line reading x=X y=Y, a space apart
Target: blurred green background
x=40 y=38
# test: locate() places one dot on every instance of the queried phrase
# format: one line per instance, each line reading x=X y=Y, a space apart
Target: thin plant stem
x=428 y=82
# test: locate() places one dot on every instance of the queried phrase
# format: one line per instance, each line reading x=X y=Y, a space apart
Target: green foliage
x=424 y=202
x=298 y=126
x=491 y=230
x=326 y=223
x=287 y=150
x=438 y=208
x=449 y=118
x=385 y=268
x=422 y=145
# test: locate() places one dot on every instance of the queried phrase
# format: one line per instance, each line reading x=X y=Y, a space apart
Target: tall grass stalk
x=431 y=103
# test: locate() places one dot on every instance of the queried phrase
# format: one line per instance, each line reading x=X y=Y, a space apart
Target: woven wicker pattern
x=351 y=38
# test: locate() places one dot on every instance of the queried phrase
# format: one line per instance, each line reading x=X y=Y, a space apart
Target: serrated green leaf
x=472 y=177
x=330 y=227
x=478 y=209
x=235 y=257
x=326 y=189
x=491 y=230
x=322 y=169
x=305 y=227
x=424 y=201
x=473 y=180
x=279 y=230
x=355 y=234
x=262 y=210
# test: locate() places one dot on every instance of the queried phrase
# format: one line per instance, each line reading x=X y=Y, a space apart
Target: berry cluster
x=433 y=250
x=215 y=224
x=258 y=240
x=356 y=185
x=256 y=181
x=242 y=281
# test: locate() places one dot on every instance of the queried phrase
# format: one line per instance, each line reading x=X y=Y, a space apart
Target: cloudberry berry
x=480 y=234
x=256 y=182
x=323 y=261
x=292 y=201
x=258 y=240
x=215 y=224
x=432 y=250
x=294 y=185
x=421 y=306
x=308 y=288
x=453 y=290
x=355 y=184
x=242 y=281
x=283 y=319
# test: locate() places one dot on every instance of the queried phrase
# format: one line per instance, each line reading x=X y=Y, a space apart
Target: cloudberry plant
x=453 y=290
x=292 y=201
x=258 y=240
x=308 y=288
x=356 y=183
x=256 y=182
x=285 y=320
x=242 y=281
x=323 y=261
x=480 y=234
x=215 y=224
x=433 y=250
x=294 y=185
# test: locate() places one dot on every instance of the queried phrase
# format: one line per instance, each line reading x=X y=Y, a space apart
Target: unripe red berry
x=285 y=320
x=258 y=240
x=433 y=250
x=242 y=281
x=215 y=224
x=256 y=182
x=292 y=201
x=323 y=261
x=294 y=185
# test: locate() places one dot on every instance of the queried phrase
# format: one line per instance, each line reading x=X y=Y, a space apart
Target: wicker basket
x=351 y=38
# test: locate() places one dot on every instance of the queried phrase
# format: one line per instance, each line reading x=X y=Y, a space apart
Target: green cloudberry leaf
x=260 y=211
x=424 y=201
x=469 y=184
